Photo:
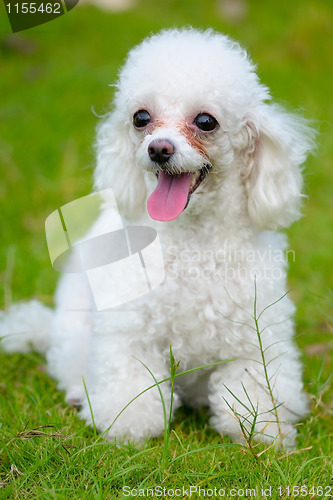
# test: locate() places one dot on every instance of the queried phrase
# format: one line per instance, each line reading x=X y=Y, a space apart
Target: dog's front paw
x=135 y=422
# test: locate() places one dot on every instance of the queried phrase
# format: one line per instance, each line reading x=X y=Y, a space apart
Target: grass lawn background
x=54 y=80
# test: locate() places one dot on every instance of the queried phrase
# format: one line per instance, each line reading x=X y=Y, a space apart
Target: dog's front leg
x=247 y=408
x=116 y=375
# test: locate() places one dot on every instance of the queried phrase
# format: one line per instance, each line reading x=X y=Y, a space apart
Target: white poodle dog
x=192 y=148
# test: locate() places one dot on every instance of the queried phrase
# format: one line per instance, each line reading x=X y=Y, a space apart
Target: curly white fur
x=213 y=250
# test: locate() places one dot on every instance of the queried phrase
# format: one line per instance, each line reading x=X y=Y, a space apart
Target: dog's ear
x=279 y=143
x=116 y=166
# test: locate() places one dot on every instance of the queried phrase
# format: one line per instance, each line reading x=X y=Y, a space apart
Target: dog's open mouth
x=173 y=192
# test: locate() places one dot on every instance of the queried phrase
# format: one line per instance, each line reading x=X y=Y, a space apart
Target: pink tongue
x=169 y=198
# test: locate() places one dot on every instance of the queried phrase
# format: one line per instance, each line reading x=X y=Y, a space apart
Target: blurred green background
x=55 y=82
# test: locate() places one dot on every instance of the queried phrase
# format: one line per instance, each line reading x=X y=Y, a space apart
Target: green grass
x=49 y=84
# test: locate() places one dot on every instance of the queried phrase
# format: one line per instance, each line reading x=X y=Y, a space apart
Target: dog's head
x=190 y=120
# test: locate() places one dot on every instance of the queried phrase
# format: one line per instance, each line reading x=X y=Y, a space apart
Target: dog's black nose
x=161 y=150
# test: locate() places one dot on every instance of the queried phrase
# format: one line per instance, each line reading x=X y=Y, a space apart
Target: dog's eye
x=141 y=118
x=205 y=122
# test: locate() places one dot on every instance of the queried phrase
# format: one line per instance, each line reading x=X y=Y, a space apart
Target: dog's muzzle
x=173 y=191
